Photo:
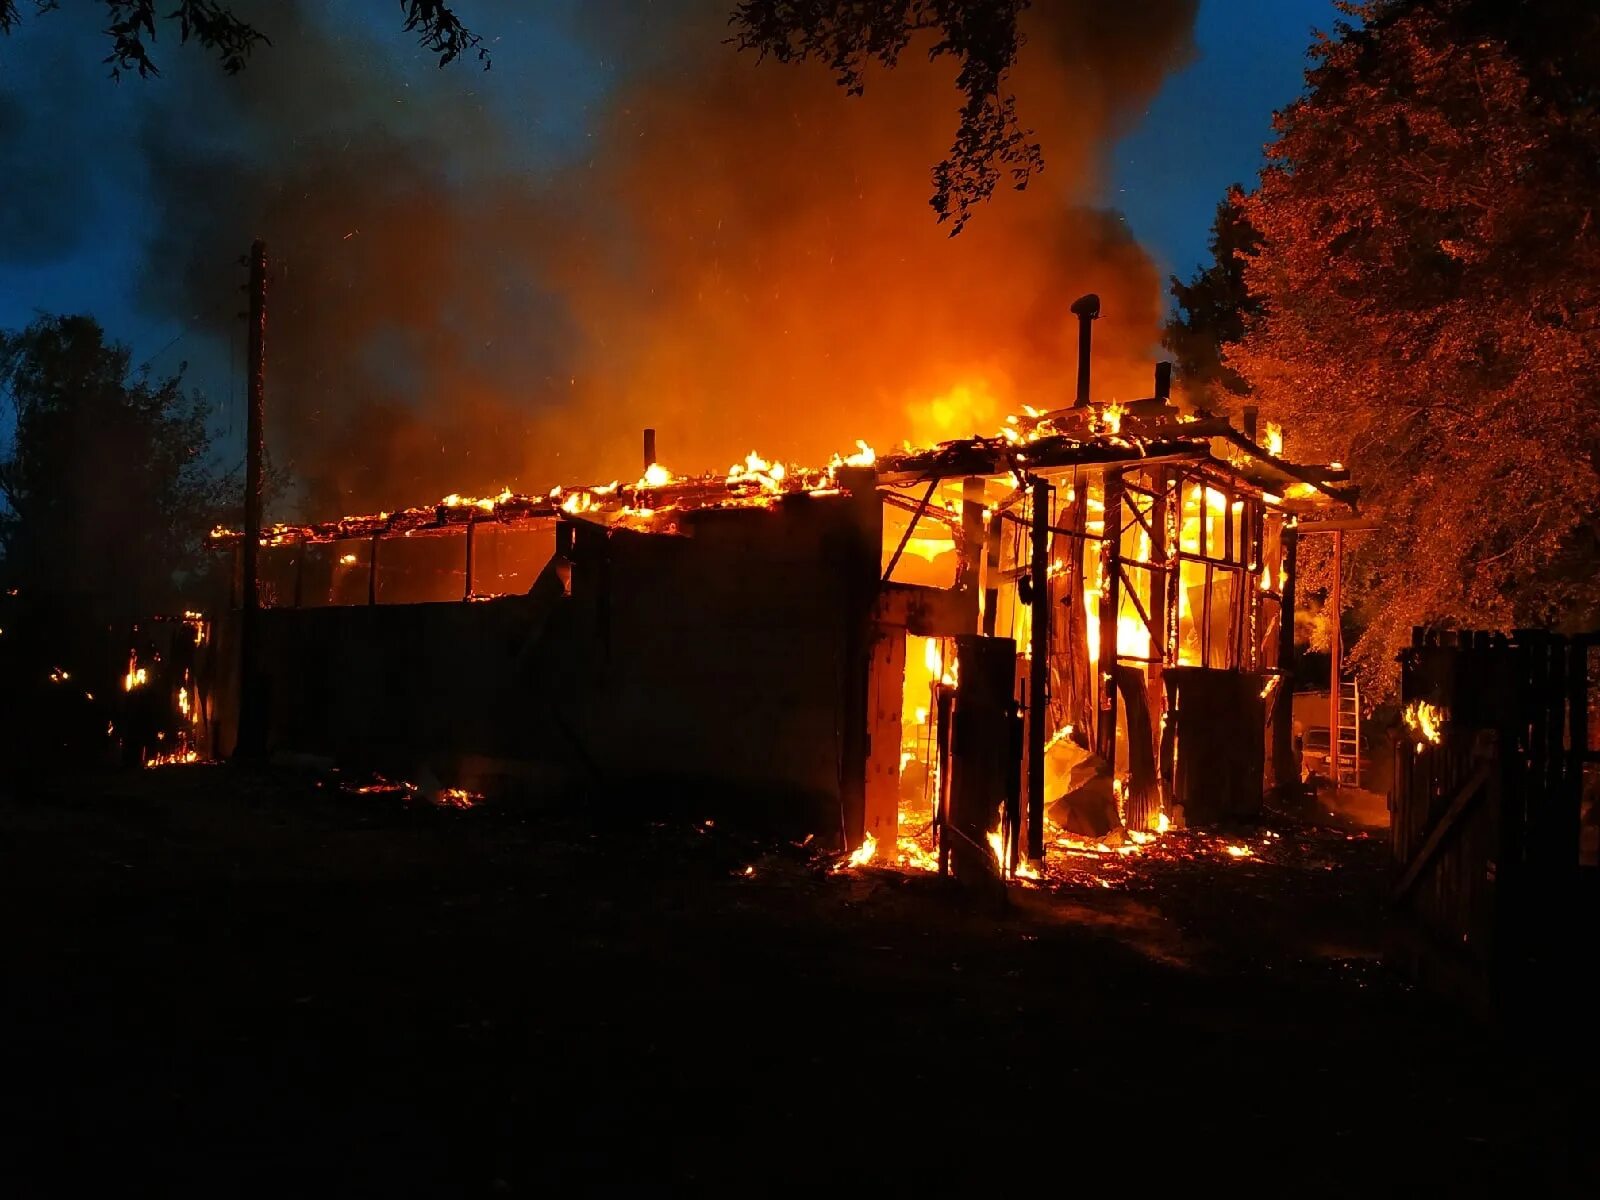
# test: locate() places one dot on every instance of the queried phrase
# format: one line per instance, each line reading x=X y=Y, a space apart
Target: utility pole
x=251 y=740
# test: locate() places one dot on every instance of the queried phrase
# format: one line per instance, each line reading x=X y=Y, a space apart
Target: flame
x=864 y=853
x=136 y=676
x=864 y=456
x=655 y=475
x=172 y=758
x=946 y=671
x=454 y=797
x=1111 y=418
x=1425 y=721
x=1239 y=851
x=755 y=469
x=1274 y=444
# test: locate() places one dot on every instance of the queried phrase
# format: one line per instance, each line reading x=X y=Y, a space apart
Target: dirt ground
x=220 y=983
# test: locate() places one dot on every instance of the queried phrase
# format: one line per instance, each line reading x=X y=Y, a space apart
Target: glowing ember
x=172 y=759
x=136 y=676
x=57 y=675
x=1239 y=851
x=454 y=797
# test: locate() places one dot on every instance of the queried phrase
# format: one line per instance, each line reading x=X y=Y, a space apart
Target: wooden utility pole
x=251 y=740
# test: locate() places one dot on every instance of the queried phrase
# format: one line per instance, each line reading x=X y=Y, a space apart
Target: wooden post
x=372 y=572
x=299 y=571
x=1110 y=601
x=1161 y=584
x=1284 y=771
x=251 y=739
x=472 y=529
x=1039 y=666
x=972 y=492
x=991 y=591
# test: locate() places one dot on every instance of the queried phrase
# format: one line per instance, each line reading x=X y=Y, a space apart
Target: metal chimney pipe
x=649 y=448
x=1163 y=381
x=1086 y=309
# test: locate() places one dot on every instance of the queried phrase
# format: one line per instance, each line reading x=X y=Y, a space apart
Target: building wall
x=725 y=662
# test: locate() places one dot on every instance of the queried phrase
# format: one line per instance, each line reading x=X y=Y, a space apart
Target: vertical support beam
x=860 y=561
x=1110 y=602
x=372 y=572
x=1335 y=653
x=886 y=683
x=1039 y=666
x=251 y=739
x=972 y=549
x=991 y=591
x=1161 y=585
x=472 y=533
x=300 y=571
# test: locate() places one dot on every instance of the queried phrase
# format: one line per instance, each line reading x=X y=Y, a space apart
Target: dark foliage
x=990 y=144
x=132 y=24
x=1212 y=310
x=107 y=498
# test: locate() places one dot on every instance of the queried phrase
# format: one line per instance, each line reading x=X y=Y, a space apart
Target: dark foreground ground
x=219 y=984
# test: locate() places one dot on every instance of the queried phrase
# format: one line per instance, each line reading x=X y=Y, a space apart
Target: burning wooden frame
x=932 y=656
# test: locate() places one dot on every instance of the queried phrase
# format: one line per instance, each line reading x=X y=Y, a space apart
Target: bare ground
x=222 y=984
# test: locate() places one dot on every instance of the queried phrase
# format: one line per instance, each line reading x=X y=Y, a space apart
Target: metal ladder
x=1347 y=754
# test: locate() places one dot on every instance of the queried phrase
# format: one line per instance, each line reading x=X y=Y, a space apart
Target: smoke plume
x=736 y=253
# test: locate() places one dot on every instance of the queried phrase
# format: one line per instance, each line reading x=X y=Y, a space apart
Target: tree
x=1213 y=308
x=107 y=498
x=1429 y=281
x=132 y=24
x=982 y=35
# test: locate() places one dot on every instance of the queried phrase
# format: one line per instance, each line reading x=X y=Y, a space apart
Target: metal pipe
x=1163 y=381
x=1087 y=310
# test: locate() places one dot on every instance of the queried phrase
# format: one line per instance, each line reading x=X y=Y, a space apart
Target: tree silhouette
x=1429 y=276
x=990 y=144
x=1213 y=308
x=107 y=497
x=131 y=25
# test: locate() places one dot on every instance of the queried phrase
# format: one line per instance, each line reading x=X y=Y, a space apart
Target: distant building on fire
x=1078 y=622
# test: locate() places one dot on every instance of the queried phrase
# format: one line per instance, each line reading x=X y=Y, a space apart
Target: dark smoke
x=741 y=256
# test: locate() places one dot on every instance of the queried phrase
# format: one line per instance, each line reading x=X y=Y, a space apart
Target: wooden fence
x=1493 y=898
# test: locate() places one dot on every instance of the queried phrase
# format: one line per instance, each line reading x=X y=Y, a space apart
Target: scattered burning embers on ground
x=1072 y=862
x=406 y=791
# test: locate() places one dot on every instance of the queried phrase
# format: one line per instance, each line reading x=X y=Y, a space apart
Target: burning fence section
x=1063 y=634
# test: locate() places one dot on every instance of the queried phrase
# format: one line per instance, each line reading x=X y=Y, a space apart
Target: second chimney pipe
x=649 y=448
x=1163 y=381
x=1086 y=309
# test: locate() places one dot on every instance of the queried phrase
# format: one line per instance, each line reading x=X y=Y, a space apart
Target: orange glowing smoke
x=740 y=255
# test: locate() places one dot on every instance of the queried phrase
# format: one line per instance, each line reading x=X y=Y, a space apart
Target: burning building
x=929 y=655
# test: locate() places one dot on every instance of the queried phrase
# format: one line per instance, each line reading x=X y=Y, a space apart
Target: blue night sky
x=75 y=240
